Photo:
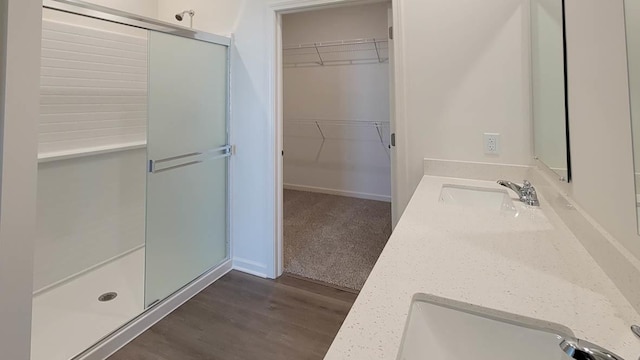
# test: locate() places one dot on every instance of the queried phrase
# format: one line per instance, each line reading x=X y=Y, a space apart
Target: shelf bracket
x=319 y=56
x=379 y=133
x=375 y=43
x=321 y=133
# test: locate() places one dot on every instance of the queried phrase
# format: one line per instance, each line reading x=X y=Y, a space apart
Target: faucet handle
x=529 y=195
x=526 y=192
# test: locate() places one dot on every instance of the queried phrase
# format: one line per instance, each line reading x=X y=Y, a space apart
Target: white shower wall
x=90 y=209
x=352 y=160
x=91 y=205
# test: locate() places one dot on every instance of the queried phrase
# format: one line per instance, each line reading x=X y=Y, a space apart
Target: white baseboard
x=352 y=194
x=250 y=267
x=137 y=326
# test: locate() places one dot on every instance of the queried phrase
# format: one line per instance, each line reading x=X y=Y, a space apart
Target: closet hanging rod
x=324 y=44
x=356 y=123
x=319 y=123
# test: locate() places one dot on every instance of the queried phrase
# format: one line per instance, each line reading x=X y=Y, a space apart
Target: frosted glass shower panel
x=187 y=95
x=188 y=155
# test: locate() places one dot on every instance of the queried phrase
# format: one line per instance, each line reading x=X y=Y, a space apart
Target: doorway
x=336 y=132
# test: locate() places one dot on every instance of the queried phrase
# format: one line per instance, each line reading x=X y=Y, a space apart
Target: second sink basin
x=441 y=332
x=470 y=196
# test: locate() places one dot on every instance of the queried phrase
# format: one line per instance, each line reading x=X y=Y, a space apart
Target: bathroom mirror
x=548 y=86
x=632 y=20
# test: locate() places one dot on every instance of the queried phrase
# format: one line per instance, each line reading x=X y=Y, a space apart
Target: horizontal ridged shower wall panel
x=56 y=54
x=73 y=30
x=93 y=88
x=69 y=73
x=104 y=124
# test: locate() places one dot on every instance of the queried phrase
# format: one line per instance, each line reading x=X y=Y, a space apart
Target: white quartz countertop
x=530 y=265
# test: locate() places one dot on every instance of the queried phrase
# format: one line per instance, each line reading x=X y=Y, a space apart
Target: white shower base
x=69 y=318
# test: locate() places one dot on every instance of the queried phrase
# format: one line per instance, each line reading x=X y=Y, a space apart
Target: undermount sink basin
x=478 y=197
x=442 y=332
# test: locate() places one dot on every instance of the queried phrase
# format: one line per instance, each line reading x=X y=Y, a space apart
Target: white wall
x=147 y=8
x=351 y=160
x=599 y=113
x=340 y=23
x=253 y=218
x=20 y=31
x=466 y=72
x=214 y=16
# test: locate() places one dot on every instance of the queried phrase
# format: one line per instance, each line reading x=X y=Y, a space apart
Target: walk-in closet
x=336 y=134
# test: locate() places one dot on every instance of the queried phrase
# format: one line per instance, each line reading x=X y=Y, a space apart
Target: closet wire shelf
x=381 y=129
x=343 y=52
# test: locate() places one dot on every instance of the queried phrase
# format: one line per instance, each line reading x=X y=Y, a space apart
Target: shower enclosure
x=133 y=171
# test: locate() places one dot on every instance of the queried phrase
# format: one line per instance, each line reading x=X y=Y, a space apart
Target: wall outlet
x=491 y=143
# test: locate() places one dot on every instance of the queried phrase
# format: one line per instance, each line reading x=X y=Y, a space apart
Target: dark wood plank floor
x=244 y=317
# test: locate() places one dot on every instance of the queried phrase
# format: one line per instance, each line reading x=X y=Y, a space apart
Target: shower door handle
x=175 y=162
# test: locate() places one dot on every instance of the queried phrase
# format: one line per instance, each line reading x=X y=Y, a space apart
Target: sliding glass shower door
x=186 y=231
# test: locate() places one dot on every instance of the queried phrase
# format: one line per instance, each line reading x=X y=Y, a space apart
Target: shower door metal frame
x=152 y=314
x=83 y=8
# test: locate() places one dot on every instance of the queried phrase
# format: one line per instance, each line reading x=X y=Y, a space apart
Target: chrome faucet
x=584 y=350
x=526 y=192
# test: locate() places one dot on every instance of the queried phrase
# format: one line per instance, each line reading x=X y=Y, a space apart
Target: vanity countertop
x=530 y=265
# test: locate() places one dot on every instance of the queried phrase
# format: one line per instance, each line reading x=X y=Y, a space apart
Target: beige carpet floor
x=333 y=239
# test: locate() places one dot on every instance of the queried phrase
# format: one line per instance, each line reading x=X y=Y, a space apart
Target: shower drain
x=107 y=296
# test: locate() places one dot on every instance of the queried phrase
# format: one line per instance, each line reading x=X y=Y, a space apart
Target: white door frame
x=399 y=178
x=20 y=37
